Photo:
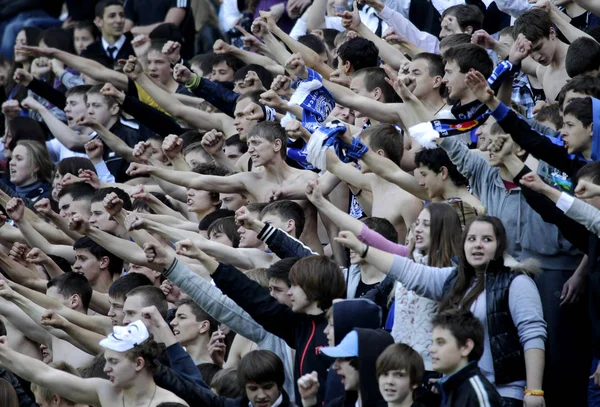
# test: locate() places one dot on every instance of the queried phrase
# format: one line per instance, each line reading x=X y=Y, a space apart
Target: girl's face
x=480 y=245
x=22 y=169
x=422 y=231
x=20 y=57
x=82 y=37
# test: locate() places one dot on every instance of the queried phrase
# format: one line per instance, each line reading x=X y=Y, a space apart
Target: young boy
x=457 y=346
x=400 y=370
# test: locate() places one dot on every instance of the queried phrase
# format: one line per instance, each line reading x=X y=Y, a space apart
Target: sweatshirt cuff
x=175 y=351
x=565 y=202
x=526 y=170
x=386 y=13
x=172 y=267
x=500 y=112
x=266 y=232
x=535 y=343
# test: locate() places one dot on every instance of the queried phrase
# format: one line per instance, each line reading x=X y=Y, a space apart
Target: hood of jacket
x=354 y=313
x=371 y=344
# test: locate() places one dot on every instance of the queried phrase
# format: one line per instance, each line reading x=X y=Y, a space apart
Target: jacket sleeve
x=45 y=90
x=426 y=281
x=191 y=393
x=404 y=27
x=152 y=118
x=376 y=240
x=214 y=302
x=585 y=214
x=276 y=318
x=571 y=230
x=183 y=364
x=541 y=147
x=217 y=95
x=284 y=245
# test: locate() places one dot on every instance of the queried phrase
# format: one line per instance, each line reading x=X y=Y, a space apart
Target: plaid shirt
x=522 y=94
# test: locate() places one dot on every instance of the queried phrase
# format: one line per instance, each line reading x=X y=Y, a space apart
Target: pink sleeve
x=374 y=239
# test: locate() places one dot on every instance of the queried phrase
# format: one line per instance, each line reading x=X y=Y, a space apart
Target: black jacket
x=468 y=388
x=284 y=245
x=97 y=52
x=209 y=399
x=11 y=8
x=25 y=399
x=302 y=332
x=115 y=163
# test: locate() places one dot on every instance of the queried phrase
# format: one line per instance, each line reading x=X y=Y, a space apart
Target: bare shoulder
x=165 y=396
x=107 y=393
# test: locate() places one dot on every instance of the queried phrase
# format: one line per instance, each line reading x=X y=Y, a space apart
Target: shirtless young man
x=267 y=146
x=129 y=353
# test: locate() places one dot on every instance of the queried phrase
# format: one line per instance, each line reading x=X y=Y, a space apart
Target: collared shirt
x=522 y=94
x=118 y=45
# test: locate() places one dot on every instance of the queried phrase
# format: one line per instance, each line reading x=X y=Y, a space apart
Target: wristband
x=194 y=83
x=539 y=393
x=364 y=253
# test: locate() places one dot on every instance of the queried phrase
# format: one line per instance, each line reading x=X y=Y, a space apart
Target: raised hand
x=350 y=19
x=172 y=50
x=109 y=90
x=349 y=240
x=308 y=386
x=340 y=78
x=40 y=66
x=18 y=252
x=141 y=44
x=30 y=103
x=483 y=39
x=213 y=142
x=6 y=291
x=253 y=83
x=138 y=169
x=113 y=204
x=502 y=146
x=36 y=256
x=11 y=109
x=142 y=151
x=157 y=254
x=139 y=193
x=295 y=130
x=260 y=27
x=520 y=49
x=245 y=219
x=70 y=179
x=22 y=77
x=254 y=112
x=90 y=177
x=172 y=146
x=220 y=47
x=79 y=224
x=131 y=67
x=171 y=291
x=313 y=191
x=271 y=99
x=296 y=66
x=534 y=182
x=134 y=221
x=586 y=189
x=36 y=51
x=479 y=86
x=217 y=347
x=187 y=248
x=43 y=207
x=182 y=74
x=15 y=208
x=88 y=121
x=94 y=150
x=282 y=86
x=53 y=319
x=400 y=84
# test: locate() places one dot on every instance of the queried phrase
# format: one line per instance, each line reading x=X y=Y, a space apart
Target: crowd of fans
x=300 y=203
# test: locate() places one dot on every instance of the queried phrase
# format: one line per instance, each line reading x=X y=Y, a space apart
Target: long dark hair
x=466 y=273
x=32 y=34
x=445 y=232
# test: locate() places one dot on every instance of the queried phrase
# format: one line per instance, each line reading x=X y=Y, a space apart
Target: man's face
x=219 y=236
x=298 y=298
x=233 y=202
x=419 y=75
x=101 y=219
x=64 y=206
x=232 y=153
x=221 y=72
x=199 y=201
x=248 y=238
x=395 y=387
x=345 y=114
x=261 y=150
x=279 y=290
x=349 y=374
x=185 y=326
x=449 y=26
x=75 y=109
x=81 y=207
x=542 y=51
x=113 y=21
x=98 y=108
x=263 y=394
x=576 y=137
x=432 y=182
x=159 y=67
x=278 y=222
x=115 y=312
x=241 y=123
x=357 y=85
x=194 y=158
x=88 y=265
x=131 y=308
x=446 y=355
x=82 y=37
x=121 y=370
x=455 y=81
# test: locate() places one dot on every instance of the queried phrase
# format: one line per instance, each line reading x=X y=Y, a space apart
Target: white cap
x=125 y=338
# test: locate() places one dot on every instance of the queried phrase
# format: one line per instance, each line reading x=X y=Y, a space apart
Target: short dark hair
x=190 y=137
x=97 y=90
x=320 y=278
x=70 y=283
x=103 y=192
x=382 y=226
x=466 y=15
x=386 y=137
x=152 y=296
x=470 y=56
x=142 y=206
x=205 y=61
x=463 y=325
x=534 y=24
x=213 y=216
x=590 y=171
x=583 y=56
x=226 y=384
x=455 y=39
x=594 y=32
x=124 y=284
x=261 y=366
x=150 y=350
x=435 y=62
x=209 y=371
x=329 y=35
x=56 y=37
x=226 y=226
x=233 y=62
x=360 y=52
x=286 y=209
x=580 y=108
x=24 y=128
x=281 y=270
x=256 y=207
x=236 y=141
x=374 y=78
x=401 y=356
x=265 y=76
x=435 y=159
x=200 y=314
x=550 y=113
x=72 y=165
x=115 y=263
x=313 y=42
x=584 y=84
x=165 y=32
x=78 y=191
x=91 y=27
x=99 y=9
x=270 y=131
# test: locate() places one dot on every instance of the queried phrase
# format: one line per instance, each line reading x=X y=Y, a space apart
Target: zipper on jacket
x=306 y=348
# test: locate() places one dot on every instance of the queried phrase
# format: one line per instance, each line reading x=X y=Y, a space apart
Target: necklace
x=150 y=402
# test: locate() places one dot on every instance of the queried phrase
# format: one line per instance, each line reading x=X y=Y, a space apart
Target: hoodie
x=348 y=315
x=371 y=344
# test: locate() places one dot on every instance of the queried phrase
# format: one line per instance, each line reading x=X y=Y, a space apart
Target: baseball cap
x=347 y=348
x=125 y=338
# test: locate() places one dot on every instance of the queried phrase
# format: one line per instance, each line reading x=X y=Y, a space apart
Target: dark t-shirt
x=363 y=288
x=146 y=12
